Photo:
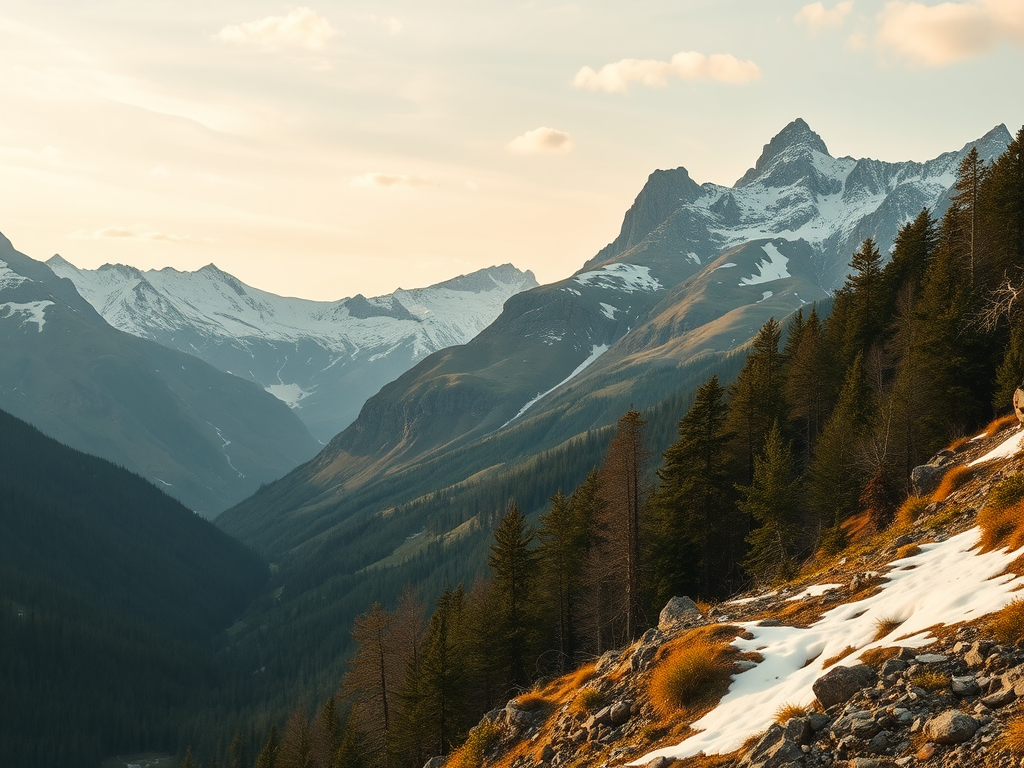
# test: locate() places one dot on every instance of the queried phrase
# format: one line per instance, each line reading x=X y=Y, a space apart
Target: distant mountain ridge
x=324 y=359
x=208 y=438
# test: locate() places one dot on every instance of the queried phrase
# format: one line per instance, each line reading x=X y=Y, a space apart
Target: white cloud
x=390 y=181
x=817 y=18
x=934 y=35
x=541 y=141
x=688 y=65
x=390 y=23
x=301 y=28
x=141 y=232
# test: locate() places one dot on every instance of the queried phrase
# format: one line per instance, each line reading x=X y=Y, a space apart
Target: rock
x=660 y=762
x=607 y=661
x=620 y=712
x=435 y=762
x=818 y=720
x=603 y=716
x=866 y=762
x=798 y=730
x=930 y=658
x=676 y=611
x=840 y=683
x=772 y=751
x=951 y=727
x=977 y=655
x=879 y=743
x=999 y=699
x=965 y=686
x=547 y=753
x=926 y=752
x=926 y=478
x=893 y=666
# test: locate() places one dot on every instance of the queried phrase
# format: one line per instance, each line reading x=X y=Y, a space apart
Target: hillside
x=897 y=651
x=324 y=359
x=111 y=597
x=209 y=438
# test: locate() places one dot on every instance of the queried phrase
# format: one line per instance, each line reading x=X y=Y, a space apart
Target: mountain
x=208 y=438
x=324 y=359
x=694 y=271
x=111 y=595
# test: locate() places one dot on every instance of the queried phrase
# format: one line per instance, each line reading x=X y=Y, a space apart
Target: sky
x=336 y=148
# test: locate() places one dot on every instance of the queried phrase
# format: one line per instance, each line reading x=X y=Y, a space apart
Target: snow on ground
x=9 y=278
x=816 y=590
x=291 y=394
x=771 y=268
x=33 y=312
x=745 y=600
x=620 y=276
x=693 y=257
x=765 y=296
x=727 y=265
x=608 y=310
x=947 y=582
x=595 y=353
x=1004 y=450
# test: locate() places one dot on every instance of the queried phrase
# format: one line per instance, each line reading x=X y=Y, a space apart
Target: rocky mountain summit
x=903 y=650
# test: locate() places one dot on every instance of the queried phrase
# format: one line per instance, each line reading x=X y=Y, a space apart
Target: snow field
x=32 y=312
x=620 y=276
x=946 y=583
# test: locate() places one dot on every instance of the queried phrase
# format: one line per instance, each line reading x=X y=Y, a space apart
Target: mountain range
x=324 y=359
x=208 y=438
x=695 y=270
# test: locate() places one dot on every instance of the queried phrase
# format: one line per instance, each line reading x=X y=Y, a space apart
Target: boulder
x=620 y=712
x=965 y=685
x=676 y=611
x=772 y=750
x=926 y=478
x=951 y=727
x=840 y=683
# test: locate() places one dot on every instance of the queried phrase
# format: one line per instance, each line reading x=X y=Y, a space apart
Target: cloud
x=390 y=181
x=936 y=35
x=541 y=141
x=817 y=18
x=139 y=233
x=301 y=28
x=688 y=65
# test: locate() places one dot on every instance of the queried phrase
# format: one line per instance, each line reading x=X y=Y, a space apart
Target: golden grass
x=910 y=510
x=930 y=680
x=1012 y=739
x=588 y=701
x=838 y=657
x=957 y=443
x=954 y=478
x=531 y=701
x=787 y=712
x=886 y=625
x=693 y=671
x=997 y=426
x=907 y=550
x=1002 y=518
x=1007 y=625
x=878 y=656
x=561 y=689
x=471 y=753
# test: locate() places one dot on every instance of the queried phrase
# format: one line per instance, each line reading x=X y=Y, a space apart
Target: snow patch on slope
x=595 y=353
x=769 y=269
x=1004 y=450
x=291 y=394
x=32 y=312
x=946 y=583
x=620 y=276
x=9 y=278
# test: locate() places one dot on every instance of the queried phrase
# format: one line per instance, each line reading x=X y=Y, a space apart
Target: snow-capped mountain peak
x=792 y=144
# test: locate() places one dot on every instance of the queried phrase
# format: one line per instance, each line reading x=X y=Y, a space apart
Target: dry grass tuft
x=886 y=625
x=907 y=550
x=693 y=671
x=953 y=479
x=562 y=689
x=787 y=712
x=1012 y=739
x=876 y=657
x=930 y=680
x=838 y=657
x=997 y=426
x=472 y=752
x=531 y=701
x=1007 y=625
x=588 y=701
x=1002 y=519
x=910 y=510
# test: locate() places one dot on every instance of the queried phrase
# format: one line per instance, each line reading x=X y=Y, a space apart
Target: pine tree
x=296 y=746
x=1010 y=374
x=443 y=675
x=696 y=528
x=188 y=761
x=970 y=177
x=370 y=681
x=563 y=545
x=512 y=564
x=808 y=383
x=268 y=755
x=756 y=398
x=772 y=501
x=238 y=755
x=325 y=735
x=623 y=490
